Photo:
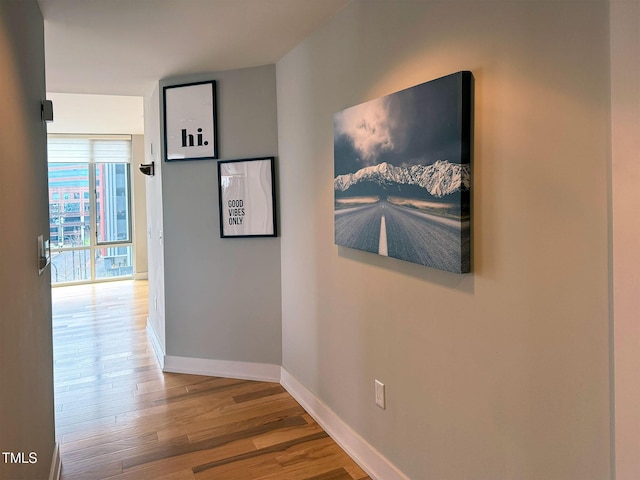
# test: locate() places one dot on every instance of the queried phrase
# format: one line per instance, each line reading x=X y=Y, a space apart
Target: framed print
x=402 y=174
x=246 y=193
x=190 y=121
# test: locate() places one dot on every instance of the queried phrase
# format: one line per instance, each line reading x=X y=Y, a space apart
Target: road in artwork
x=411 y=235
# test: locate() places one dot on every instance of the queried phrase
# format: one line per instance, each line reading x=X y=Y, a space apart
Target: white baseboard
x=377 y=466
x=264 y=372
x=56 y=465
x=141 y=276
x=155 y=343
x=215 y=368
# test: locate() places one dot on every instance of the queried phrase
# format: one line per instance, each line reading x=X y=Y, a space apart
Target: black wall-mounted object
x=148 y=168
x=46 y=110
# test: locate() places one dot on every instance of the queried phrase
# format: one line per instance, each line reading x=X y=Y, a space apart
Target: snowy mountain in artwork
x=439 y=179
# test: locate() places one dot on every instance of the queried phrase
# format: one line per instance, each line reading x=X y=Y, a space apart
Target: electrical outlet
x=155 y=303
x=380 y=396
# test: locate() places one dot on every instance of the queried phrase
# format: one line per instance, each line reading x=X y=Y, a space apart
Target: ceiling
x=123 y=47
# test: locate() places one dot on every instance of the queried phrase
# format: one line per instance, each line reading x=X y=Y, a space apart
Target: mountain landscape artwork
x=403 y=174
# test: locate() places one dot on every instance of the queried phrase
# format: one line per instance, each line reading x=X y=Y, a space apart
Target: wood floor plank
x=278 y=437
x=207 y=422
x=267 y=464
x=74 y=454
x=212 y=429
x=261 y=393
x=210 y=443
x=245 y=460
x=87 y=470
x=186 y=474
x=119 y=417
x=337 y=474
x=152 y=470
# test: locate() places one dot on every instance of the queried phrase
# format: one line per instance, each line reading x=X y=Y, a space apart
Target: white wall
x=504 y=373
x=155 y=223
x=139 y=208
x=221 y=296
x=91 y=114
x=26 y=352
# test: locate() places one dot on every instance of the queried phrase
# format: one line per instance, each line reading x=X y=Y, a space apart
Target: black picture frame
x=190 y=121
x=247 y=198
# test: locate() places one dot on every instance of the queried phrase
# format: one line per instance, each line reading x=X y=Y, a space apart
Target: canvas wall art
x=403 y=174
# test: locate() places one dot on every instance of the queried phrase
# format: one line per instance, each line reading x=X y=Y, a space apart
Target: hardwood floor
x=118 y=416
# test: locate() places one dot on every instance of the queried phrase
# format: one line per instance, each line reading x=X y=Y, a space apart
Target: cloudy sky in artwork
x=419 y=125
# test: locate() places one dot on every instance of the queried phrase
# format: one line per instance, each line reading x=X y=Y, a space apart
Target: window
x=90 y=228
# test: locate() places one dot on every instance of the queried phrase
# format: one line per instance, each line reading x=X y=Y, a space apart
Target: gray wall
x=222 y=296
x=26 y=368
x=504 y=373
